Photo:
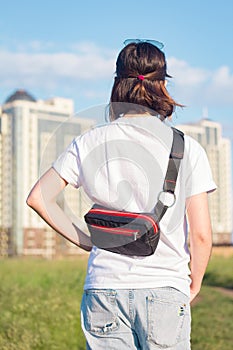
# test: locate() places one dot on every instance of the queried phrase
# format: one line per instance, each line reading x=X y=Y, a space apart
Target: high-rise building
x=32 y=134
x=209 y=134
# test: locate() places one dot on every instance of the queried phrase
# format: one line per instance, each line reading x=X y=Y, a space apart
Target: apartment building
x=32 y=134
x=209 y=134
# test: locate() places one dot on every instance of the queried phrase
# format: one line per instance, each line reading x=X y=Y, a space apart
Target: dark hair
x=130 y=93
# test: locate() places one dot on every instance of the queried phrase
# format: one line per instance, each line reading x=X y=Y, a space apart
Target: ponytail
x=139 y=84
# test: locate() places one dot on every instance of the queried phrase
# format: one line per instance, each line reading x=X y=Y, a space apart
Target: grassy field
x=40 y=300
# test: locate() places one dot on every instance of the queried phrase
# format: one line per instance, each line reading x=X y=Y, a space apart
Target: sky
x=69 y=48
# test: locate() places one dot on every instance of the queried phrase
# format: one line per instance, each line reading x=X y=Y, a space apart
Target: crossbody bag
x=136 y=234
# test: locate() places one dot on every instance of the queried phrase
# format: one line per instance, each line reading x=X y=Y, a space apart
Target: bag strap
x=169 y=185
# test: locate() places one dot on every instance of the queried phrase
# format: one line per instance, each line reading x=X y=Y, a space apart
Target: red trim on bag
x=117 y=230
x=132 y=215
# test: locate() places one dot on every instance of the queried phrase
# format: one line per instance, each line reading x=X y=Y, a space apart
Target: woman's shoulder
x=194 y=151
x=92 y=132
x=192 y=144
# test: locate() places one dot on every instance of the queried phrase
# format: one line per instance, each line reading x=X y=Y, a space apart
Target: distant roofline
x=20 y=95
x=199 y=122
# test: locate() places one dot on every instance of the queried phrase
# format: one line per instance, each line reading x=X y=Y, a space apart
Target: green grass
x=212 y=325
x=220 y=272
x=40 y=302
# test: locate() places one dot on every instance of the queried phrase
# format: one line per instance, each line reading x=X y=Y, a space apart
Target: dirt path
x=223 y=251
x=225 y=291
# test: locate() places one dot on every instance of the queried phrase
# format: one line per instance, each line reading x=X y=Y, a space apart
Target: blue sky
x=68 y=48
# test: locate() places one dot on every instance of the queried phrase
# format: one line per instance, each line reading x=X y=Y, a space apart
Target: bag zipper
x=116 y=230
x=133 y=215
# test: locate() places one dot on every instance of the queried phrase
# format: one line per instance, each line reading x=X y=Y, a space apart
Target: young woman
x=132 y=302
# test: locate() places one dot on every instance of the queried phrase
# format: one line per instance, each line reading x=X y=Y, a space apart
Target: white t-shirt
x=122 y=165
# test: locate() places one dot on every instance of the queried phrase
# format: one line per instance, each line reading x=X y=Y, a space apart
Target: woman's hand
x=193 y=293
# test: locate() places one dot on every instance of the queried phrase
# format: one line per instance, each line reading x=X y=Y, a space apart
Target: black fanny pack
x=136 y=234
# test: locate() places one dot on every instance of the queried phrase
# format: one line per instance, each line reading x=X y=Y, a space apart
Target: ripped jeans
x=136 y=319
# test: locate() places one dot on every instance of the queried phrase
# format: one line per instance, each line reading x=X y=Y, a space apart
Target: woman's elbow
x=31 y=201
x=34 y=199
x=201 y=237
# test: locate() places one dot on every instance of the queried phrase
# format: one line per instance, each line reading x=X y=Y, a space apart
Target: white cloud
x=185 y=75
x=220 y=88
x=194 y=85
x=40 y=68
x=34 y=46
x=223 y=77
x=87 y=66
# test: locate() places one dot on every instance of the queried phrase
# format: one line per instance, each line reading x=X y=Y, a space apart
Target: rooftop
x=20 y=95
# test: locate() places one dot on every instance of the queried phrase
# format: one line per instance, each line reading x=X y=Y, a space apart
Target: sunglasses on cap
x=156 y=43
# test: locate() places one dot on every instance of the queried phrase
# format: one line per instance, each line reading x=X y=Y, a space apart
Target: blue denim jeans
x=136 y=319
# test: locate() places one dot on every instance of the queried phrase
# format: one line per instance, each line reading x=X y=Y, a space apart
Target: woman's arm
x=200 y=239
x=42 y=199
